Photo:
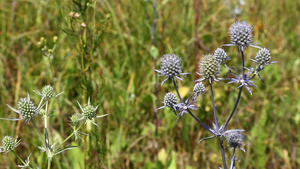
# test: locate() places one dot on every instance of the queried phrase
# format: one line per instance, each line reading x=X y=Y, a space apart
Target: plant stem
x=23 y=162
x=240 y=92
x=177 y=89
x=214 y=107
x=234 y=108
x=68 y=137
x=205 y=126
x=223 y=153
x=49 y=163
x=233 y=160
x=243 y=61
x=43 y=141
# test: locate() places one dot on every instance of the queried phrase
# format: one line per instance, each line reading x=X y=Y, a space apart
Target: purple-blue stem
x=205 y=126
x=223 y=153
x=239 y=95
x=214 y=107
x=233 y=160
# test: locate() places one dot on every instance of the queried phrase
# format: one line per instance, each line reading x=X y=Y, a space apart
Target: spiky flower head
x=170 y=67
x=209 y=68
x=8 y=143
x=89 y=113
x=199 y=88
x=170 y=100
x=235 y=139
x=241 y=34
x=27 y=108
x=221 y=56
x=48 y=91
x=263 y=57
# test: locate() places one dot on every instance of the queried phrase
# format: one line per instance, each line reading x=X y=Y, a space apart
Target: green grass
x=120 y=77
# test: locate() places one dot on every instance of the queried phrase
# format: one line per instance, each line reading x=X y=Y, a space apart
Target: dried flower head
x=241 y=34
x=209 y=68
x=221 y=56
x=170 y=67
x=8 y=144
x=235 y=139
x=170 y=100
x=199 y=88
x=263 y=57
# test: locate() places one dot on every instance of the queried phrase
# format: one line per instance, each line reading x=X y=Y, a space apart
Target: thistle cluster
x=209 y=70
x=28 y=111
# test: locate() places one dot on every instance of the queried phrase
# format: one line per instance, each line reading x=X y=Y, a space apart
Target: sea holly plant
x=29 y=112
x=209 y=70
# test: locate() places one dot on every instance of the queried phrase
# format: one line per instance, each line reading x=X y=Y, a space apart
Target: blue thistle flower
x=235 y=140
x=170 y=100
x=263 y=57
x=170 y=67
x=241 y=35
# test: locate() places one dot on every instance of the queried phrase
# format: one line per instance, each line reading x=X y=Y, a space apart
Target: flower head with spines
x=221 y=56
x=199 y=89
x=47 y=93
x=9 y=144
x=25 y=108
x=241 y=35
x=89 y=112
x=170 y=100
x=235 y=140
x=263 y=57
x=209 y=69
x=170 y=67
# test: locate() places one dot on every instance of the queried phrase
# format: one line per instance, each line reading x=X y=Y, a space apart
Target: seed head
x=241 y=34
x=263 y=56
x=220 y=55
x=209 y=68
x=199 y=88
x=48 y=92
x=26 y=108
x=8 y=144
x=170 y=65
x=235 y=139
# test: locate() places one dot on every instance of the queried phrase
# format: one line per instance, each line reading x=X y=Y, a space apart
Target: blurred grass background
x=119 y=76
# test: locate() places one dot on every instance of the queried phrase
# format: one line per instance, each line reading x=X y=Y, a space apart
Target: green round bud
x=209 y=68
x=74 y=118
x=55 y=39
x=8 y=143
x=26 y=108
x=48 y=92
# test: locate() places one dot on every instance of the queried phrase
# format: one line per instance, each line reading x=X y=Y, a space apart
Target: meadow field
x=106 y=50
